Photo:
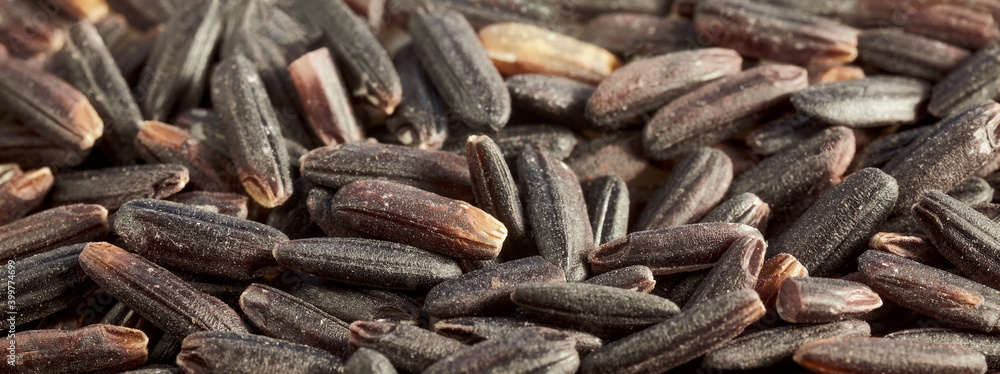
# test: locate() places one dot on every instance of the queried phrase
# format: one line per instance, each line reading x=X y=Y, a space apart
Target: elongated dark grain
x=821 y=300
x=241 y=352
x=647 y=85
x=967 y=238
x=439 y=172
x=900 y=52
x=154 y=293
x=556 y=210
x=283 y=316
x=52 y=228
x=230 y=204
x=368 y=69
x=49 y=281
x=455 y=61
x=696 y=184
x=95 y=348
x=412 y=216
x=49 y=106
x=367 y=262
x=86 y=63
x=496 y=191
x=608 y=208
x=945 y=155
x=351 y=304
x=533 y=349
x=487 y=291
x=874 y=355
x=720 y=109
x=782 y=133
x=473 y=330
x=962 y=26
x=558 y=99
x=745 y=208
x=775 y=346
x=969 y=84
x=674 y=250
x=601 y=310
x=636 y=35
x=175 y=77
x=737 y=269
x=765 y=31
x=791 y=180
x=409 y=348
x=977 y=341
x=112 y=187
x=422 y=119
x=679 y=339
x=839 y=224
x=198 y=241
x=253 y=132
x=861 y=103
x=932 y=292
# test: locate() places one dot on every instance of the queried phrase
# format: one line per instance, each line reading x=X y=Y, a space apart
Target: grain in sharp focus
x=721 y=109
x=931 y=292
x=154 y=293
x=241 y=352
x=49 y=106
x=195 y=240
x=889 y=356
x=696 y=184
x=635 y=278
x=487 y=291
x=458 y=65
x=22 y=193
x=324 y=98
x=95 y=348
x=791 y=180
x=112 y=187
x=680 y=339
x=674 y=250
x=821 y=300
x=782 y=133
x=351 y=304
x=774 y=346
x=409 y=348
x=647 y=85
x=367 y=262
x=900 y=52
x=766 y=31
x=517 y=48
x=532 y=349
x=559 y=141
x=439 y=172
x=600 y=310
x=473 y=330
x=52 y=228
x=496 y=192
x=175 y=77
x=967 y=238
x=423 y=219
x=208 y=169
x=838 y=226
x=946 y=154
x=556 y=210
x=874 y=101
x=283 y=316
